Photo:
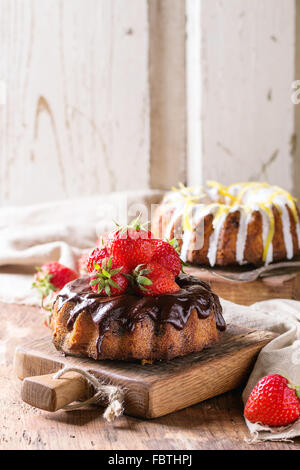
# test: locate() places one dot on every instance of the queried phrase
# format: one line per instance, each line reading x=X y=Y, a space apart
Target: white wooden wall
x=240 y=67
x=96 y=95
x=76 y=120
x=295 y=150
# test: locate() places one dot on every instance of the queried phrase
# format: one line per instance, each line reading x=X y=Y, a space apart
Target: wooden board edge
x=24 y=360
x=247 y=359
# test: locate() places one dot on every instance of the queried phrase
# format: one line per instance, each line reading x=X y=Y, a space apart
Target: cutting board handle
x=51 y=394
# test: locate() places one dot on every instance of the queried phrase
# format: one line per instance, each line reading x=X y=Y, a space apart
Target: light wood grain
x=250 y=292
x=100 y=85
x=167 y=90
x=91 y=104
x=295 y=147
x=241 y=124
x=151 y=390
x=76 y=118
x=213 y=424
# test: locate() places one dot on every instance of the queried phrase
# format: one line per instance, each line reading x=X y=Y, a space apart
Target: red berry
x=141 y=252
x=108 y=279
x=166 y=255
x=53 y=277
x=274 y=401
x=153 y=279
x=131 y=247
x=120 y=250
x=96 y=256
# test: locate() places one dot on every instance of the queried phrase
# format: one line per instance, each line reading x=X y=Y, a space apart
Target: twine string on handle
x=114 y=394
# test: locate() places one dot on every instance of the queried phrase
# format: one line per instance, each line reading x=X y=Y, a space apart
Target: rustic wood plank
x=214 y=424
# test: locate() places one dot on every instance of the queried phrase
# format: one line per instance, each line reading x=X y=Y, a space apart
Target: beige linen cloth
x=280 y=356
x=61 y=231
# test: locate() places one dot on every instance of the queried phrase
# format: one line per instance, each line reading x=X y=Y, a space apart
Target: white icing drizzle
x=187 y=235
x=245 y=217
x=265 y=232
x=214 y=237
x=177 y=213
x=286 y=226
x=198 y=213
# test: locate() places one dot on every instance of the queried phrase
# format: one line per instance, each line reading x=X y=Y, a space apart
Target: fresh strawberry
x=96 y=256
x=108 y=279
x=274 y=401
x=153 y=279
x=166 y=255
x=120 y=249
x=131 y=245
x=52 y=277
x=130 y=252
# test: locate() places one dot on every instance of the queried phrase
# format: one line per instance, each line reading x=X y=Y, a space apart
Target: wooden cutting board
x=247 y=293
x=151 y=390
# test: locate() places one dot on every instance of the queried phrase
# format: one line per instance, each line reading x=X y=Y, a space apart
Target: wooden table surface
x=215 y=424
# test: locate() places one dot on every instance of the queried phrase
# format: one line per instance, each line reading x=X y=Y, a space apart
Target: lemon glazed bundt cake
x=129 y=326
x=220 y=225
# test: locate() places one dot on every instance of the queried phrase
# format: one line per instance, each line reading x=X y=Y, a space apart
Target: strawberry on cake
x=135 y=303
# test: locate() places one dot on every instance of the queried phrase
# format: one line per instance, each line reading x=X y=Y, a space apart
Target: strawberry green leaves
x=107 y=279
x=138 y=277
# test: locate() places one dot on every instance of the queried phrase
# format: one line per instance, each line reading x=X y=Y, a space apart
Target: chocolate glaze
x=128 y=309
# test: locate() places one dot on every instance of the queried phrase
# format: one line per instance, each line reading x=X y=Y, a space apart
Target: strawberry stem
x=103 y=276
x=42 y=283
x=135 y=224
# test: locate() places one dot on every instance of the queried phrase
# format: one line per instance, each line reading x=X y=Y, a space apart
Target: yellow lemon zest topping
x=222 y=189
x=271 y=230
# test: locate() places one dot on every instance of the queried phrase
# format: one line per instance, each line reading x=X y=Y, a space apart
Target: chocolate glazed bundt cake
x=242 y=223
x=129 y=326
